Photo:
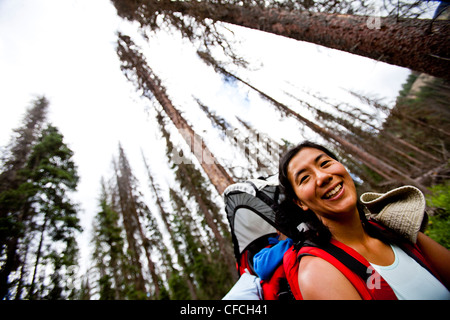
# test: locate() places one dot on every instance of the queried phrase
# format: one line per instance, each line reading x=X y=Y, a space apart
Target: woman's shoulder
x=319 y=279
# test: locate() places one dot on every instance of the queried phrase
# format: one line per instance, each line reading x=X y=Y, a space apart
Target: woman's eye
x=323 y=164
x=303 y=179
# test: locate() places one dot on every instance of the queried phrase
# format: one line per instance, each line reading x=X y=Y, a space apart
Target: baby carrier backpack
x=250 y=208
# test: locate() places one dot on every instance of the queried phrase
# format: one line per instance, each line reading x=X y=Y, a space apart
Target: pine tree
x=414 y=148
x=265 y=150
x=418 y=44
x=23 y=140
x=54 y=175
x=192 y=182
x=172 y=273
x=260 y=153
x=134 y=212
x=109 y=255
x=420 y=118
x=44 y=219
x=218 y=122
x=204 y=263
x=14 y=209
x=137 y=70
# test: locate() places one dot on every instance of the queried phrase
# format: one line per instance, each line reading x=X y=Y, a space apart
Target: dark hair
x=289 y=215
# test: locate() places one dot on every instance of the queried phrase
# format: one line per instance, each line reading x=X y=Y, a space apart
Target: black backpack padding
x=250 y=208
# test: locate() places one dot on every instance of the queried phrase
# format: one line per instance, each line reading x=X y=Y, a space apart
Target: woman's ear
x=300 y=204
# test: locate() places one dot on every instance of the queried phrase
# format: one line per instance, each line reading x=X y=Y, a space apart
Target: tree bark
x=165 y=217
x=31 y=294
x=418 y=44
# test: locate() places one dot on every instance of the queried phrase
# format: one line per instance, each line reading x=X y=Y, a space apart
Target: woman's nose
x=323 y=178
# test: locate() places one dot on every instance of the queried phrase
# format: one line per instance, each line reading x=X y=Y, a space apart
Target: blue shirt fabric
x=268 y=259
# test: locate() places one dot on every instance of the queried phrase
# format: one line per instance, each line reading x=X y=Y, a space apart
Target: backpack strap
x=350 y=267
x=290 y=265
x=354 y=267
x=346 y=259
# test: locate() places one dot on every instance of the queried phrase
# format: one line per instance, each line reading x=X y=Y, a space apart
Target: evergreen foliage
x=39 y=221
x=439 y=222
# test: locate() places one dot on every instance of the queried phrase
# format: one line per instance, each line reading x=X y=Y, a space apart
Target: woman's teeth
x=333 y=192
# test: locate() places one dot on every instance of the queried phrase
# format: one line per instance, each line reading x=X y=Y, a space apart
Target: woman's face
x=321 y=184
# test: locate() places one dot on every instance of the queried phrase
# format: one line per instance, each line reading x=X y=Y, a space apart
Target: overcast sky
x=65 y=50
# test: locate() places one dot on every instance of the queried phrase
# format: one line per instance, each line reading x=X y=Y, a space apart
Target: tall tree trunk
x=130 y=226
x=373 y=143
x=130 y=210
x=31 y=293
x=165 y=217
x=383 y=134
x=133 y=61
x=421 y=45
x=224 y=245
x=382 y=168
x=23 y=275
x=121 y=270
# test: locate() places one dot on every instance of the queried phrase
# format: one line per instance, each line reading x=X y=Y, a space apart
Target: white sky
x=65 y=50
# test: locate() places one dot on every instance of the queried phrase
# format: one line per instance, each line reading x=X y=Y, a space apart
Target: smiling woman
x=321 y=183
x=325 y=199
